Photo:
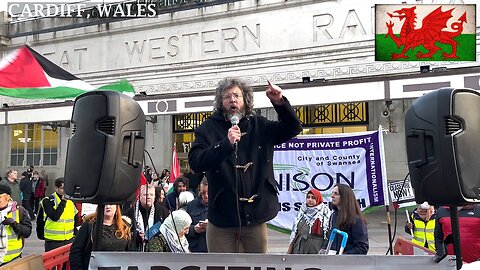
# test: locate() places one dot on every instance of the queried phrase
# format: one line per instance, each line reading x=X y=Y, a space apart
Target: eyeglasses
x=234 y=95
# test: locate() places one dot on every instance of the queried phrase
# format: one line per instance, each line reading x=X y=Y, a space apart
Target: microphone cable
x=237 y=246
x=235 y=120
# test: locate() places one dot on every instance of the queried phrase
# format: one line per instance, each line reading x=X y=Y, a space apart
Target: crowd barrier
x=55 y=259
x=406 y=247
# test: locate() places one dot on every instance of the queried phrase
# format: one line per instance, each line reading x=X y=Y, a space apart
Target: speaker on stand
x=442 y=138
x=105 y=152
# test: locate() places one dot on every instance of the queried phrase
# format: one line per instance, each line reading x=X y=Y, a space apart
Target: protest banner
x=321 y=162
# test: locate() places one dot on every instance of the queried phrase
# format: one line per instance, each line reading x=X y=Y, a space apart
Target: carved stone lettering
x=190 y=37
x=229 y=35
x=249 y=35
x=65 y=60
x=320 y=24
x=173 y=45
x=155 y=48
x=210 y=42
x=135 y=50
x=352 y=26
x=326 y=28
x=82 y=57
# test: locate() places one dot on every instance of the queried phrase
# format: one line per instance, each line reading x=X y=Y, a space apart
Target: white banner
x=321 y=162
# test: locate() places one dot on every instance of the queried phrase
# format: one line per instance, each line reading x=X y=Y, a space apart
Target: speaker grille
x=452 y=126
x=107 y=125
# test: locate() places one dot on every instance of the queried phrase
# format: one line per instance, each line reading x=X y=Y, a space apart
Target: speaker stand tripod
x=97 y=229
x=455 y=237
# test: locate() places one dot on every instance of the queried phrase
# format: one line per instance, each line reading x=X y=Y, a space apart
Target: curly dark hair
x=229 y=83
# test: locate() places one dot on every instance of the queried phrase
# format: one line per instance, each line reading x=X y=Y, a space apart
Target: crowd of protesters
x=172 y=215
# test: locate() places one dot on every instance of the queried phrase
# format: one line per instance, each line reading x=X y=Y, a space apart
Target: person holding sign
x=422 y=224
x=347 y=217
x=311 y=225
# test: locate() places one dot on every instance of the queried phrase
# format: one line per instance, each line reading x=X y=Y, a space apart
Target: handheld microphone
x=234 y=120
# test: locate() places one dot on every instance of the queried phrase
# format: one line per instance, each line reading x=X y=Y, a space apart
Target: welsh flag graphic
x=425 y=33
x=25 y=73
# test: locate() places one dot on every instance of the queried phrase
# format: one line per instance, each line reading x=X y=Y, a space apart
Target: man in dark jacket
x=26 y=189
x=198 y=211
x=59 y=215
x=238 y=161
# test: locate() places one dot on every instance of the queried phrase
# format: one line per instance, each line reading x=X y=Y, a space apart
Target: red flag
x=175 y=165
x=143 y=181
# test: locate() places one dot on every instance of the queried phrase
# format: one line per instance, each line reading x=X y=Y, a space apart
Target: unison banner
x=321 y=162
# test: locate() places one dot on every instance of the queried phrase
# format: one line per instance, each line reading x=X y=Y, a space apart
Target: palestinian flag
x=425 y=33
x=25 y=73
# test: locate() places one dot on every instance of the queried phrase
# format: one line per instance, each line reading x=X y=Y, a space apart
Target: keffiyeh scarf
x=139 y=218
x=310 y=214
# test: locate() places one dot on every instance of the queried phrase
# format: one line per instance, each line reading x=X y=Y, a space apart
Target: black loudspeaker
x=105 y=152
x=443 y=146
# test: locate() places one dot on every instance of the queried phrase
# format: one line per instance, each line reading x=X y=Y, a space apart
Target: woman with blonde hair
x=116 y=236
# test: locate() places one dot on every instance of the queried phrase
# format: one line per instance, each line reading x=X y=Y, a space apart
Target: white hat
x=424 y=206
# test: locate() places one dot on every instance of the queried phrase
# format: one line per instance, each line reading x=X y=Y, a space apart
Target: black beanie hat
x=5 y=189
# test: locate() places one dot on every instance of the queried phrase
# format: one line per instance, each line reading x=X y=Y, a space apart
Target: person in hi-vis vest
x=15 y=226
x=422 y=224
x=59 y=214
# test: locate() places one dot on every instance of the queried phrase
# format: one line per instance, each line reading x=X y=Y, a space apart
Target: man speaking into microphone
x=234 y=147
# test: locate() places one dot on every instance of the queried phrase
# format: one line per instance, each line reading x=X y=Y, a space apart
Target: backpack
x=41 y=221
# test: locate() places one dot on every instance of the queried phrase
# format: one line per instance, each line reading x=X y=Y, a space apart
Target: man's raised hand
x=274 y=93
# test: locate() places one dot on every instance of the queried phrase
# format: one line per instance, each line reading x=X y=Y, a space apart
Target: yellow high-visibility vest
x=62 y=229
x=15 y=243
x=424 y=232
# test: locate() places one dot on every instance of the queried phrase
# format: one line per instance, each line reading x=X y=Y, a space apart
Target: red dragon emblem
x=430 y=32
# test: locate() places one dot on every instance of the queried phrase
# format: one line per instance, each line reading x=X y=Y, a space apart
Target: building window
x=33 y=144
x=333 y=118
x=189 y=122
x=353 y=113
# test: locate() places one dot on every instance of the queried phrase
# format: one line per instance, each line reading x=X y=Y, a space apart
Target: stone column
x=4 y=39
